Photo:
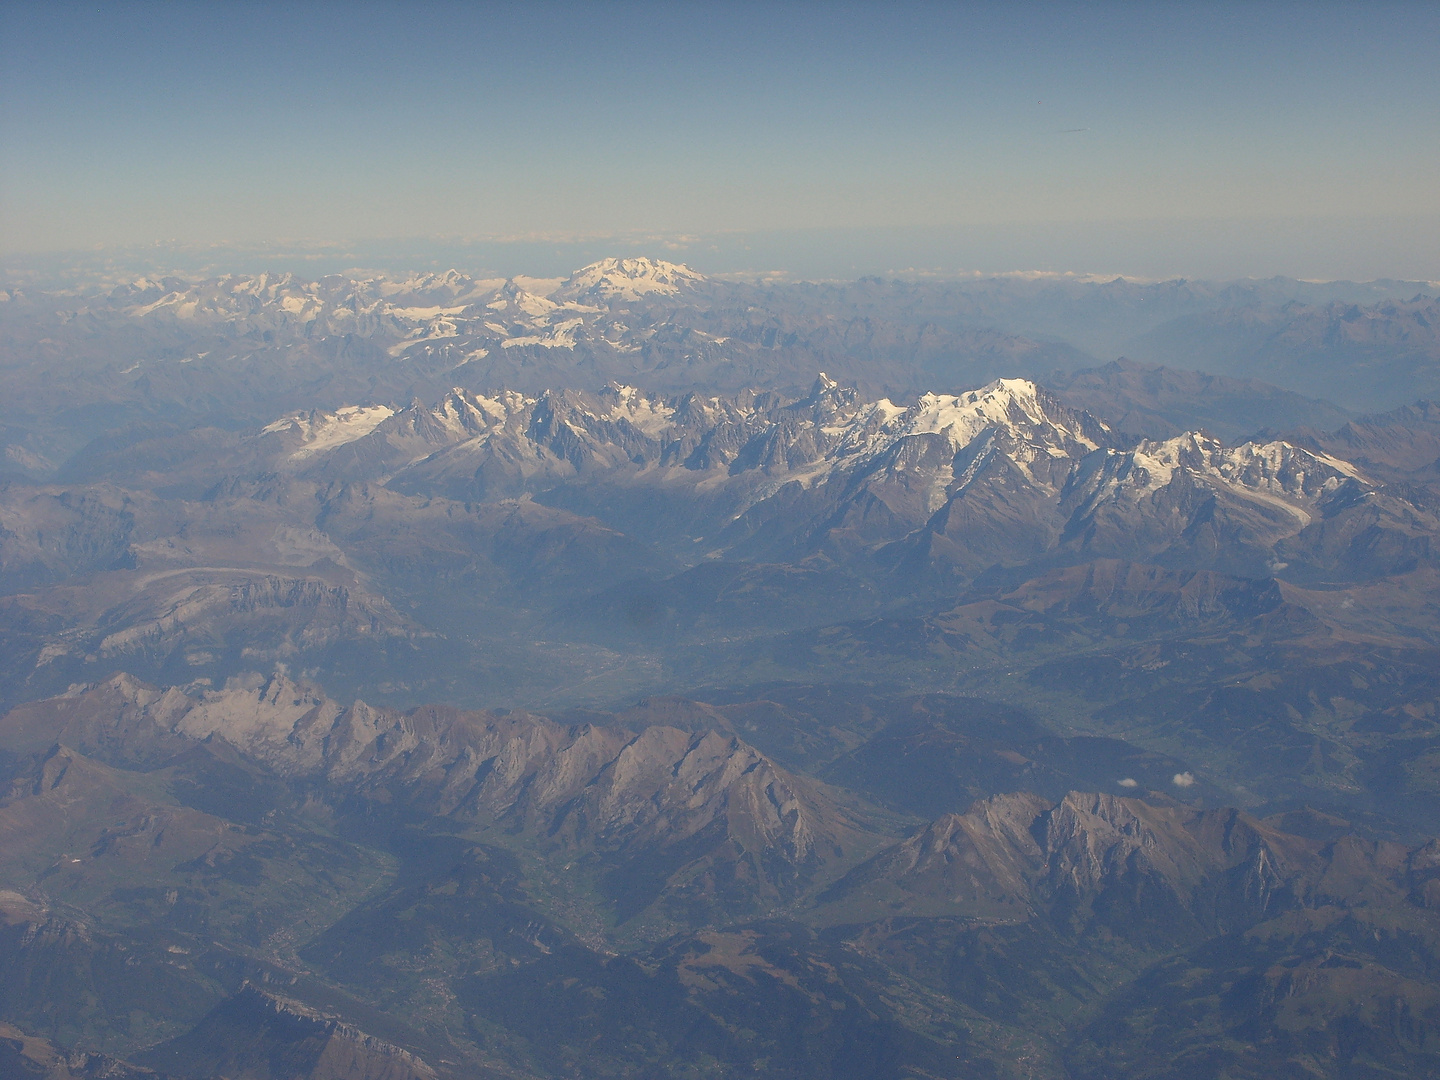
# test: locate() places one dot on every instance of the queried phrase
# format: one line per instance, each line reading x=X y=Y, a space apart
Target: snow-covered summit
x=629 y=279
x=1031 y=421
x=1274 y=468
x=1013 y=405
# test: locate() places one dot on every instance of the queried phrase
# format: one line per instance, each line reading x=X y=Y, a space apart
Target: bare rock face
x=257 y=1035
x=979 y=861
x=667 y=785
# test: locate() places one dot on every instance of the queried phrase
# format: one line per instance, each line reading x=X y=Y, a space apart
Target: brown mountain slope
x=689 y=813
x=1130 y=864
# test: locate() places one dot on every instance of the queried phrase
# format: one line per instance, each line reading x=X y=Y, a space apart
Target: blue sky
x=1299 y=138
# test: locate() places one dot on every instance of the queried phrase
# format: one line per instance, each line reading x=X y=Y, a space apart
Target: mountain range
x=414 y=677
x=172 y=349
x=493 y=862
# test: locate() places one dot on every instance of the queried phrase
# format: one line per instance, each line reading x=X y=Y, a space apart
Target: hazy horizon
x=1215 y=141
x=1197 y=251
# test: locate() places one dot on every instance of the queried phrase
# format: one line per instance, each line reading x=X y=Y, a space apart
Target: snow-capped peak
x=629 y=279
x=1013 y=405
x=1280 y=468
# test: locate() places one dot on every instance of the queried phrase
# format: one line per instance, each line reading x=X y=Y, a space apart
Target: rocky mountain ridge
x=832 y=458
x=1085 y=896
x=260 y=1031
x=1021 y=857
x=707 y=796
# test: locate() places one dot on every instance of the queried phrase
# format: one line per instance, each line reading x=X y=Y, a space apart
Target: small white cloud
x=1183 y=779
x=1128 y=782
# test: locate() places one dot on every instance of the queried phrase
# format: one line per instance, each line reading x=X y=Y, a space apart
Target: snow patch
x=322 y=431
x=421 y=314
x=561 y=336
x=648 y=415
